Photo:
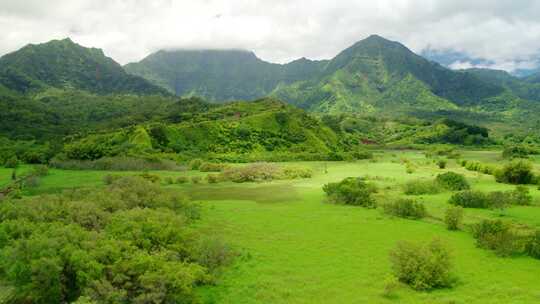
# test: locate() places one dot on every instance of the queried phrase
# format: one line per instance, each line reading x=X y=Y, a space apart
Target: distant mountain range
x=454 y=59
x=373 y=76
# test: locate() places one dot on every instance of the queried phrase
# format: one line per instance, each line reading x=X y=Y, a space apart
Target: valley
x=213 y=176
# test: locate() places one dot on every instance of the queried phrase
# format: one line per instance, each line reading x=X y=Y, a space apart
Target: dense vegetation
x=65 y=64
x=130 y=243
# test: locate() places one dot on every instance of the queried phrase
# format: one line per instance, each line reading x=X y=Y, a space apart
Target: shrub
x=40 y=170
x=442 y=163
x=516 y=151
x=32 y=181
x=498 y=199
x=470 y=199
x=452 y=181
x=453 y=217
x=196 y=179
x=297 y=172
x=495 y=235
x=362 y=154
x=351 y=191
x=213 y=253
x=150 y=177
x=211 y=167
x=194 y=164
x=516 y=172
x=421 y=187
x=111 y=178
x=182 y=180
x=423 y=267
x=252 y=173
x=169 y=180
x=405 y=208
x=521 y=196
x=12 y=162
x=212 y=178
x=410 y=168
x=533 y=245
x=130 y=242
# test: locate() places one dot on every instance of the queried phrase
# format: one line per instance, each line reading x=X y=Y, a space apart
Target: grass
x=295 y=248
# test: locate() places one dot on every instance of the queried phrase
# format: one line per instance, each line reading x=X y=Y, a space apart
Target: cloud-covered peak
x=506 y=33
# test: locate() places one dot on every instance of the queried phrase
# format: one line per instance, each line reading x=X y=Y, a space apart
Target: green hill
x=231 y=130
x=65 y=64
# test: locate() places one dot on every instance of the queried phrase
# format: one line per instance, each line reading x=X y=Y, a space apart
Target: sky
x=505 y=34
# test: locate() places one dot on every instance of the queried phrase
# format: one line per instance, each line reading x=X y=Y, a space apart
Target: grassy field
x=295 y=248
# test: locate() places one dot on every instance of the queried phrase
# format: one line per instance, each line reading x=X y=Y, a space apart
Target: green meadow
x=294 y=247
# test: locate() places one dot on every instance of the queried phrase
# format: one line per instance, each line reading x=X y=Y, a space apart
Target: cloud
x=506 y=32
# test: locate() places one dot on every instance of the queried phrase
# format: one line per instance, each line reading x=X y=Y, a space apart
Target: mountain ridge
x=66 y=64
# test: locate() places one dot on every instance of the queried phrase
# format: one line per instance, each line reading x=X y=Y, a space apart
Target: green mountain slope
x=239 y=128
x=65 y=64
x=518 y=86
x=54 y=113
x=219 y=75
x=377 y=74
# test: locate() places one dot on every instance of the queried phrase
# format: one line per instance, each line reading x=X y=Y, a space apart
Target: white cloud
x=506 y=32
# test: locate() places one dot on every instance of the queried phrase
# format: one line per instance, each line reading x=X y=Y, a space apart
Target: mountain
x=67 y=65
x=522 y=88
x=455 y=59
x=373 y=75
x=378 y=74
x=220 y=75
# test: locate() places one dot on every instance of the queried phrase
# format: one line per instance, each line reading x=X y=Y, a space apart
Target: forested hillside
x=66 y=65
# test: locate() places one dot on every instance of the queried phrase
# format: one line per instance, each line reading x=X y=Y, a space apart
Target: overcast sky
x=506 y=32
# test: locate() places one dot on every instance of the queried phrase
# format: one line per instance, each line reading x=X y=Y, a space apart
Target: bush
x=150 y=177
x=12 y=162
x=470 y=199
x=351 y=191
x=194 y=164
x=405 y=208
x=212 y=178
x=169 y=180
x=521 y=196
x=421 y=187
x=453 y=217
x=252 y=173
x=517 y=151
x=196 y=179
x=533 y=245
x=130 y=242
x=452 y=181
x=40 y=170
x=410 y=168
x=297 y=172
x=516 y=172
x=496 y=235
x=423 y=267
x=214 y=253
x=182 y=180
x=32 y=181
x=362 y=154
x=442 y=163
x=109 y=179
x=211 y=167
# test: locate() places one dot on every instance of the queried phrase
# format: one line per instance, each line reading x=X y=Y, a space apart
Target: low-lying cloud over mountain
x=503 y=33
